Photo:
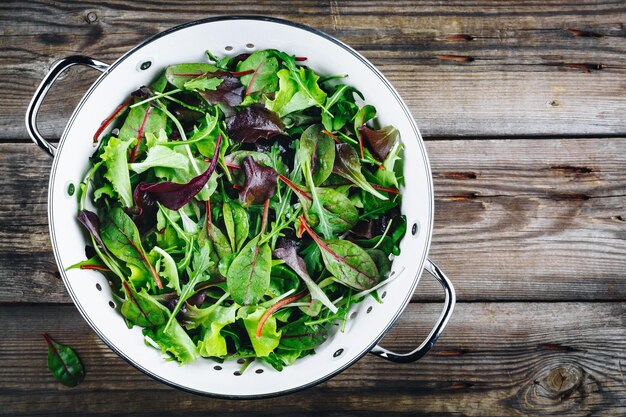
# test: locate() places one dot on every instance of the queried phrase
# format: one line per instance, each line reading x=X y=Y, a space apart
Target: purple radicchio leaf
x=253 y=123
x=260 y=183
x=90 y=220
x=173 y=195
x=380 y=141
x=230 y=90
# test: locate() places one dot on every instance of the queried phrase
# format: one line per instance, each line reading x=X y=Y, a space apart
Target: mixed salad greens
x=242 y=206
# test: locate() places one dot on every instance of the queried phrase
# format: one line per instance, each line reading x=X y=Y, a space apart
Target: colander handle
x=434 y=334
x=33 y=107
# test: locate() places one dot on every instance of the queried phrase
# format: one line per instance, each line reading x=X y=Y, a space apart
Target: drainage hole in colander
x=99 y=287
x=217 y=368
x=415 y=229
x=111 y=304
x=241 y=361
x=259 y=371
x=337 y=353
x=384 y=294
x=249 y=45
x=369 y=309
x=353 y=315
x=237 y=373
x=228 y=48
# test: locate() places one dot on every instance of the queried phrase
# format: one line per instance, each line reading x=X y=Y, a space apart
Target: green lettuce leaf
x=115 y=158
x=212 y=342
x=174 y=341
x=270 y=338
x=161 y=156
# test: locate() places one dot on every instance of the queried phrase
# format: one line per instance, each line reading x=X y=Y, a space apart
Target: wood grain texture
x=465 y=69
x=514 y=220
x=494 y=359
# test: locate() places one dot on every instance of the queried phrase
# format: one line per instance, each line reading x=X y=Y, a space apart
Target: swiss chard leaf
x=318 y=150
x=141 y=309
x=64 y=363
x=298 y=336
x=121 y=237
x=264 y=78
x=248 y=276
x=289 y=255
x=253 y=123
x=348 y=166
x=346 y=261
x=260 y=183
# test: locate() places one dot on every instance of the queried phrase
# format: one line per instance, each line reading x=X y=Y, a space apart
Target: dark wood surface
x=523 y=107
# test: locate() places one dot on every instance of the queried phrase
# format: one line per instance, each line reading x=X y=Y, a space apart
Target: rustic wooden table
x=523 y=108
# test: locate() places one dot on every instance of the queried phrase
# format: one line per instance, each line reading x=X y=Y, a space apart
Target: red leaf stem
x=266 y=206
x=294 y=187
x=110 y=119
x=335 y=138
x=242 y=73
x=274 y=308
x=133 y=154
x=95 y=267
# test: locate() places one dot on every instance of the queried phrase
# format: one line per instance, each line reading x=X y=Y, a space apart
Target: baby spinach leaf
x=237 y=224
x=380 y=141
x=298 y=336
x=248 y=276
x=381 y=259
x=173 y=340
x=264 y=78
x=364 y=114
x=336 y=209
x=160 y=156
x=289 y=255
x=141 y=309
x=121 y=237
x=253 y=123
x=270 y=338
x=260 y=183
x=116 y=162
x=64 y=363
x=348 y=166
x=212 y=343
x=318 y=150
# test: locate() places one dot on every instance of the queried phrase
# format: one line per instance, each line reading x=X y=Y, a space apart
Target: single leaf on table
x=174 y=195
x=346 y=261
x=212 y=343
x=161 y=156
x=348 y=166
x=318 y=149
x=289 y=255
x=380 y=141
x=270 y=337
x=122 y=239
x=253 y=123
x=173 y=340
x=142 y=309
x=115 y=158
x=64 y=363
x=260 y=183
x=248 y=276
x=263 y=79
x=298 y=336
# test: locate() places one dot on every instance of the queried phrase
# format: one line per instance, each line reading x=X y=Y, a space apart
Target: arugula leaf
x=141 y=309
x=115 y=160
x=348 y=166
x=248 y=276
x=203 y=83
x=270 y=337
x=343 y=107
x=173 y=340
x=121 y=237
x=64 y=363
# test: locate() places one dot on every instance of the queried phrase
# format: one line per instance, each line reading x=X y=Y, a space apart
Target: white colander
x=368 y=321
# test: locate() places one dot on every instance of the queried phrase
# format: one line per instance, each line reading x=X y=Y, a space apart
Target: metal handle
x=42 y=90
x=434 y=334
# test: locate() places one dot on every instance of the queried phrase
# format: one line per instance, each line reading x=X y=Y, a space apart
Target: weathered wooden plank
x=515 y=220
x=523 y=57
x=493 y=359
